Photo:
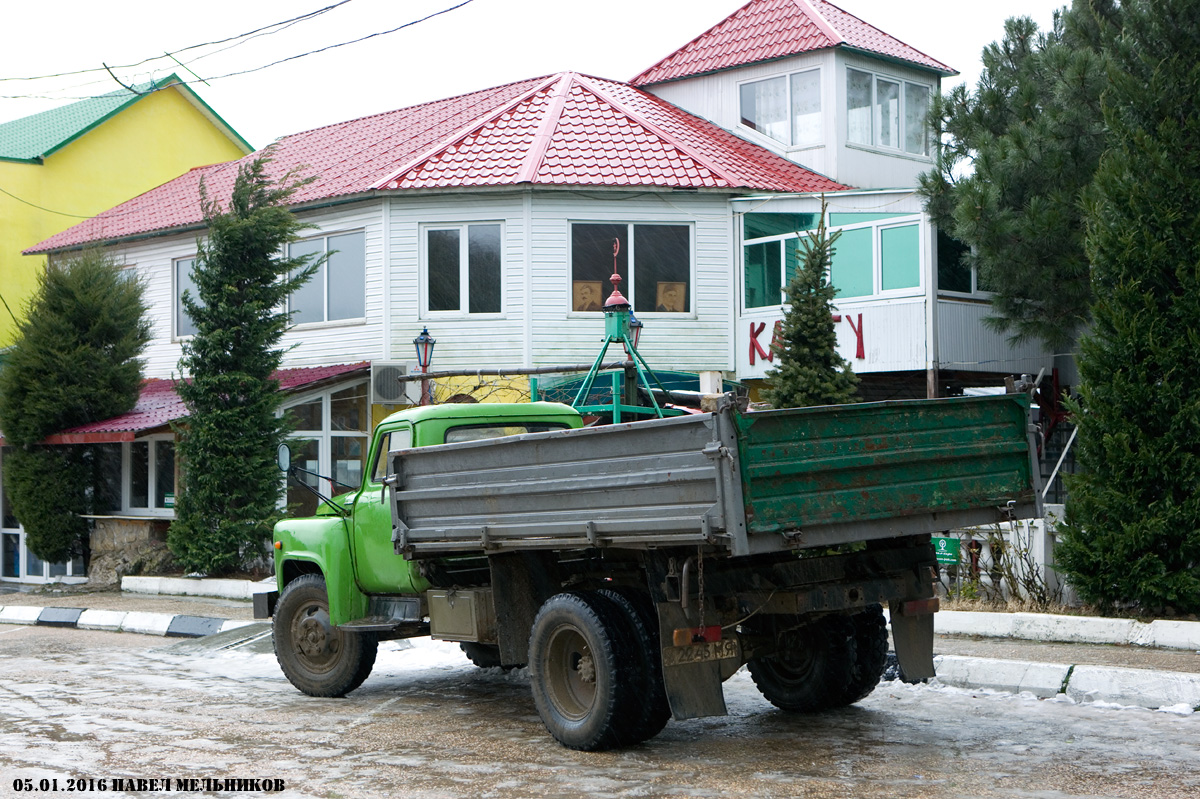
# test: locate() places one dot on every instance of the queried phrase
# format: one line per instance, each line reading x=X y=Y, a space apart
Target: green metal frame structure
x=617 y=318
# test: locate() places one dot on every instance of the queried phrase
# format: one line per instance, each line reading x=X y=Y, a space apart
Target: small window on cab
x=392 y=439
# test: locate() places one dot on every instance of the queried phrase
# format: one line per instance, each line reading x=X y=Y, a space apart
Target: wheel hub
x=586 y=667
x=315 y=636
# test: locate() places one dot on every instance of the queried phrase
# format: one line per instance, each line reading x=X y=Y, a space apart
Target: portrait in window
x=647 y=255
x=586 y=295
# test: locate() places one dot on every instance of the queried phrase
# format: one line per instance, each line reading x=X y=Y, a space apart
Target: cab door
x=380 y=570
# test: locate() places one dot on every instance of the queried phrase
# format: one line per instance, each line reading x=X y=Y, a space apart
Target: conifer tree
x=76 y=360
x=227 y=445
x=1133 y=513
x=1014 y=159
x=810 y=370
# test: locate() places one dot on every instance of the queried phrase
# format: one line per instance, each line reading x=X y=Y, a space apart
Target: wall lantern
x=424 y=344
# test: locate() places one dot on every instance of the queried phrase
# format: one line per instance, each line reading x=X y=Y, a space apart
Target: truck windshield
x=481 y=431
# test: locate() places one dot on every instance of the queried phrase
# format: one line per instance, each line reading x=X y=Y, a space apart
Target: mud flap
x=913 y=638
x=693 y=689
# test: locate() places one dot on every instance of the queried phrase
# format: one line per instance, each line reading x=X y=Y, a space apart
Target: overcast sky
x=483 y=43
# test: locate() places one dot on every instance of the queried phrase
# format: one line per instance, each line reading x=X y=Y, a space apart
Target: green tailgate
x=809 y=467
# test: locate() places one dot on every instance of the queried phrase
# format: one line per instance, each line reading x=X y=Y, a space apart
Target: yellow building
x=70 y=163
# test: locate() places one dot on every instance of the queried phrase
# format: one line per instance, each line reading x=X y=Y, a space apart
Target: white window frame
x=926 y=154
x=151 y=479
x=177 y=311
x=629 y=287
x=791 y=144
x=464 y=270
x=321 y=277
x=324 y=437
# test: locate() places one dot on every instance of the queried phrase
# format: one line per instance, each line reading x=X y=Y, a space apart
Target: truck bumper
x=264 y=604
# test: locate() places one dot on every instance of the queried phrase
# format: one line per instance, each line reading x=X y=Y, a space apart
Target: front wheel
x=317 y=657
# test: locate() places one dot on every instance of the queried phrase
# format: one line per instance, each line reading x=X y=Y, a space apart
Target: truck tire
x=486 y=656
x=870 y=653
x=809 y=672
x=583 y=670
x=652 y=709
x=316 y=657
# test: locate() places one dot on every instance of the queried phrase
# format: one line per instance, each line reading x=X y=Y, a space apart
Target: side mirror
x=283 y=457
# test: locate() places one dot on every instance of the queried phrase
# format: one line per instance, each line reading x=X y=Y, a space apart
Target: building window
x=184 y=326
x=876 y=253
x=886 y=112
x=338 y=289
x=786 y=108
x=151 y=470
x=329 y=443
x=463 y=268
x=17 y=562
x=661 y=255
x=956 y=273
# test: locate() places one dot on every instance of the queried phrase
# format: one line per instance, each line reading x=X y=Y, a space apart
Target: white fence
x=1024 y=569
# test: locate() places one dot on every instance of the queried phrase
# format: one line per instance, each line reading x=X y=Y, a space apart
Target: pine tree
x=1133 y=513
x=1014 y=159
x=227 y=445
x=810 y=371
x=76 y=360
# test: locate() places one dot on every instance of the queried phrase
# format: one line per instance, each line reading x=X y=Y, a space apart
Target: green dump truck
x=634 y=567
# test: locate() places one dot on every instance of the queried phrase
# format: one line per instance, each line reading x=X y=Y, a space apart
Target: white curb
x=1175 y=634
x=1152 y=689
x=137 y=621
x=188 y=586
x=1044 y=680
x=973 y=622
x=233 y=624
x=1072 y=629
x=101 y=619
x=19 y=614
x=1069 y=629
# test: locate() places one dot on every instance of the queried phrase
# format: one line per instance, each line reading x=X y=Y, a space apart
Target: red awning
x=158 y=405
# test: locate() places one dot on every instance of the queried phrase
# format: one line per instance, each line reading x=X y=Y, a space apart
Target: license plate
x=725 y=649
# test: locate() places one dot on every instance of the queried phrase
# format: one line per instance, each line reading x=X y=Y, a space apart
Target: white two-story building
x=490 y=219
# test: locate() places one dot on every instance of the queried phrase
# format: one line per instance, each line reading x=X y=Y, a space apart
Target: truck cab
x=339 y=580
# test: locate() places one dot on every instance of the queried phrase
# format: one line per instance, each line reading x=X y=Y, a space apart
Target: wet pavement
x=428 y=725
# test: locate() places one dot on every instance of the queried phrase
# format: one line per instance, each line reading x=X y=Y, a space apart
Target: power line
x=282 y=25
x=41 y=208
x=239 y=72
x=343 y=44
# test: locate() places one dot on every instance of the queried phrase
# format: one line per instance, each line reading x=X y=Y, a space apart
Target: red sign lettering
x=860 y=352
x=755 y=347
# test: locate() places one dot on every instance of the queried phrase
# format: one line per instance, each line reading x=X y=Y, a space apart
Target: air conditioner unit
x=388 y=389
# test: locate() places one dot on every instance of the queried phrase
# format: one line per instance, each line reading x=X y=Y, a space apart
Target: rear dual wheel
x=833 y=662
x=590 y=656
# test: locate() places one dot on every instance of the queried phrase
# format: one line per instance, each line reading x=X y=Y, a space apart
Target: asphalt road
x=101 y=706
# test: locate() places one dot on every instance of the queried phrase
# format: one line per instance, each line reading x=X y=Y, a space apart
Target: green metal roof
x=34 y=137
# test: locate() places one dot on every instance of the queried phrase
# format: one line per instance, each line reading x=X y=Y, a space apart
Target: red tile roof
x=763 y=30
x=159 y=405
x=562 y=130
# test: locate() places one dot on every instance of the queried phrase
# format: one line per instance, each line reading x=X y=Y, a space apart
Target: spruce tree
x=1014 y=159
x=227 y=445
x=1132 y=536
x=810 y=370
x=76 y=360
